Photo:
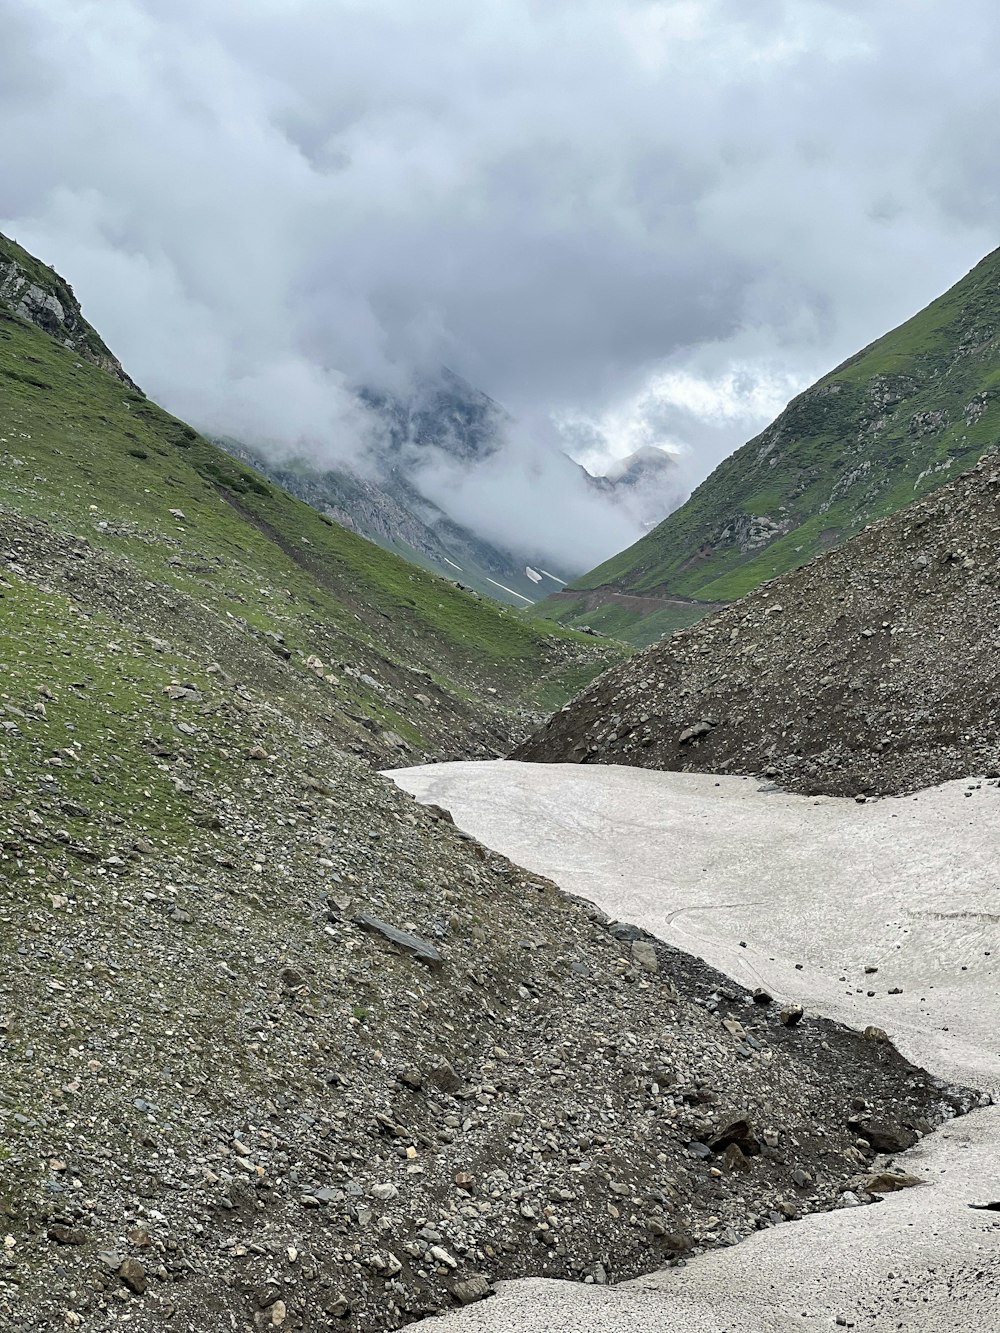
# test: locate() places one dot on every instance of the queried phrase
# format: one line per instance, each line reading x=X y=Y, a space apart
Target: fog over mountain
x=629 y=223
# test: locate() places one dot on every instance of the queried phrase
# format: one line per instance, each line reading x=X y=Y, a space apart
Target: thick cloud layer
x=648 y=222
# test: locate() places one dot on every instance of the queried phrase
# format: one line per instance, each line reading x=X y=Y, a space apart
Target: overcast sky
x=638 y=222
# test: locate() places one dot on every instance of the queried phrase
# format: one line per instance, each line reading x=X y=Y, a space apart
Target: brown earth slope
x=871 y=670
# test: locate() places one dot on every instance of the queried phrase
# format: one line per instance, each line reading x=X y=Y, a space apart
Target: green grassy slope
x=391 y=512
x=108 y=497
x=904 y=415
x=618 y=616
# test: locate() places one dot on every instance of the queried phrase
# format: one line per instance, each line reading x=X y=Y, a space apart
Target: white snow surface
x=799 y=894
x=512 y=591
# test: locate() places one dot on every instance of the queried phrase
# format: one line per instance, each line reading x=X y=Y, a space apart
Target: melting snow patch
x=511 y=591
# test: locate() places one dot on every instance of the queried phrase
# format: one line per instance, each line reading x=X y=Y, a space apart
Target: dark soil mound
x=873 y=669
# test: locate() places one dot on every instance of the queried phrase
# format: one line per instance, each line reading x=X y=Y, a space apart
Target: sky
x=630 y=223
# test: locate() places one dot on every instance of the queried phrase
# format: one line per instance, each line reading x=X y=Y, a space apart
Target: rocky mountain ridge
x=387 y=507
x=39 y=295
x=645 y=482
x=386 y=498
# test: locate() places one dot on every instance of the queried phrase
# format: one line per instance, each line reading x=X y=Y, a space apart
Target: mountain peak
x=441 y=411
x=643 y=462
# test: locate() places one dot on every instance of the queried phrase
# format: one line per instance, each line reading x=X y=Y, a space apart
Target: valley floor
x=885 y=913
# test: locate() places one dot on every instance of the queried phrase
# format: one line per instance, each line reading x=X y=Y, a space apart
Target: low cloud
x=531 y=499
x=580 y=206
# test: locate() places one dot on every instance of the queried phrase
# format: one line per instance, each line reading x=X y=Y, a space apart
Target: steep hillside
x=427 y=445
x=871 y=670
x=441 y=417
x=423 y=449
x=107 y=497
x=277 y=1046
x=389 y=509
x=897 y=420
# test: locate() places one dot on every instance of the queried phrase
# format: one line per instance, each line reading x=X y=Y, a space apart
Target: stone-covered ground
x=871 y=670
x=231 y=1096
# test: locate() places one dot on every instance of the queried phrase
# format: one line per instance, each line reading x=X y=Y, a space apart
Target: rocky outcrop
x=37 y=294
x=752 y=532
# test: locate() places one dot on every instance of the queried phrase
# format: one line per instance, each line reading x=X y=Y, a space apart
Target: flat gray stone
x=413 y=944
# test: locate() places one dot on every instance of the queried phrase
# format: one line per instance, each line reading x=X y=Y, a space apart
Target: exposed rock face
x=870 y=670
x=37 y=294
x=751 y=532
